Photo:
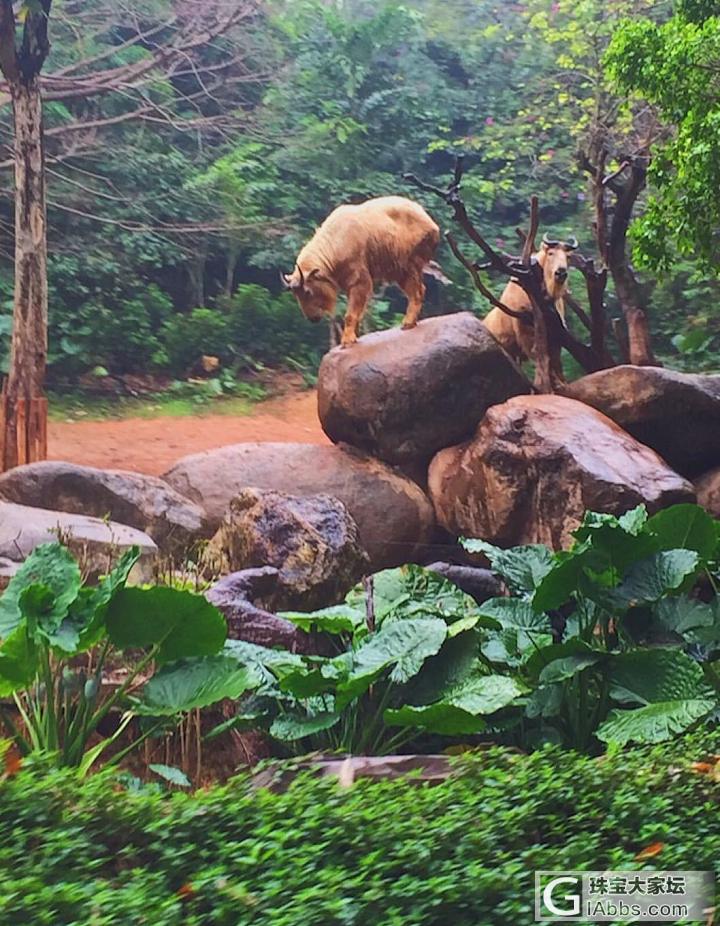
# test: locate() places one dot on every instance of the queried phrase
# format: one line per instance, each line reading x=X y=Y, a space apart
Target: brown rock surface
x=311 y=540
x=393 y=515
x=97 y=544
x=536 y=464
x=677 y=414
x=144 y=502
x=404 y=395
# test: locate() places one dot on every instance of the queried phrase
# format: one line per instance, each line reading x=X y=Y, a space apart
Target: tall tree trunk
x=28 y=357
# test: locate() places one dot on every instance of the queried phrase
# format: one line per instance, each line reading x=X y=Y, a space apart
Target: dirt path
x=152 y=445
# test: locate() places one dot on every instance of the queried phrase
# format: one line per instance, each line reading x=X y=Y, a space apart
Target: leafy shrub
x=252 y=327
x=396 y=853
x=59 y=637
x=408 y=662
x=100 y=316
x=611 y=637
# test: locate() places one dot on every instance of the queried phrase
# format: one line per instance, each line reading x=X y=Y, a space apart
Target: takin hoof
x=406 y=326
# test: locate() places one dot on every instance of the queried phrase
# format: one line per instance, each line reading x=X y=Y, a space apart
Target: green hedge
x=381 y=854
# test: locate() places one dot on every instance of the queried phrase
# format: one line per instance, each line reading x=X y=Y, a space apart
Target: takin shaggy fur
x=516 y=335
x=386 y=240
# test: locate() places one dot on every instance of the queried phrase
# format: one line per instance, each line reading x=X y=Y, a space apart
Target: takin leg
x=359 y=296
x=414 y=289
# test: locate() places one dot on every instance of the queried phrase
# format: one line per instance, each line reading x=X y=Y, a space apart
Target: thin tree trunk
x=28 y=357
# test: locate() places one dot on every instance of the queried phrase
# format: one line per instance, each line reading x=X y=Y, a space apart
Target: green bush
x=389 y=853
x=250 y=328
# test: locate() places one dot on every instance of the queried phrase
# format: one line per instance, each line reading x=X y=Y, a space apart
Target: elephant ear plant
x=59 y=637
x=407 y=662
x=618 y=638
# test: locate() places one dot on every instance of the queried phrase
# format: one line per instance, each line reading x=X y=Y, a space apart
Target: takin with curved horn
x=390 y=239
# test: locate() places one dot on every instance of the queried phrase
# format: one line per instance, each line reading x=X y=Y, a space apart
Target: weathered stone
x=480 y=584
x=312 y=540
x=243 y=598
x=97 y=544
x=536 y=464
x=403 y=395
x=144 y=502
x=393 y=515
x=707 y=488
x=677 y=414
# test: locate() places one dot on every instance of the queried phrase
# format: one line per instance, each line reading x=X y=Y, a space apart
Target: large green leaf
x=403 y=645
x=456 y=661
x=190 y=683
x=52 y=566
x=339 y=619
x=568 y=666
x=682 y=614
x=88 y=611
x=686 y=527
x=561 y=582
x=184 y=624
x=462 y=709
x=18 y=661
x=650 y=579
x=523 y=630
x=290 y=727
x=547 y=654
x=654 y=723
x=523 y=568
x=650 y=675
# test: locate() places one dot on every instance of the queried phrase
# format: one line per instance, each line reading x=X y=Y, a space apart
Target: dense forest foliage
x=175 y=198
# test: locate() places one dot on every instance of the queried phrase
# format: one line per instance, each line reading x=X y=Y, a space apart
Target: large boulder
x=311 y=540
x=96 y=543
x=144 y=502
x=403 y=395
x=536 y=464
x=393 y=515
x=677 y=414
x=244 y=598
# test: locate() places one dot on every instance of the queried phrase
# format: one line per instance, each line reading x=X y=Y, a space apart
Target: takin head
x=553 y=258
x=316 y=293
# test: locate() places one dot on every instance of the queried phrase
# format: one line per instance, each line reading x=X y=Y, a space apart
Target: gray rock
x=144 y=502
x=536 y=464
x=243 y=598
x=393 y=515
x=404 y=395
x=677 y=414
x=480 y=584
x=97 y=544
x=311 y=540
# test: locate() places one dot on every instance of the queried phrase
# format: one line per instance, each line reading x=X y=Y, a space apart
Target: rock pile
x=286 y=526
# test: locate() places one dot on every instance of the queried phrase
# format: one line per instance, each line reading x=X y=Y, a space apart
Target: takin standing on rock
x=516 y=335
x=386 y=240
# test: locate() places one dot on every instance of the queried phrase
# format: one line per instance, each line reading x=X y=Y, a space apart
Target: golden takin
x=516 y=334
x=385 y=240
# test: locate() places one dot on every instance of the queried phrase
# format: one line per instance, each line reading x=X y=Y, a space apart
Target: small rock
x=536 y=464
x=480 y=584
x=312 y=540
x=404 y=395
x=243 y=597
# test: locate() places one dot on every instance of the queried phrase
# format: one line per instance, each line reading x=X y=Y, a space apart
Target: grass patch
x=181 y=400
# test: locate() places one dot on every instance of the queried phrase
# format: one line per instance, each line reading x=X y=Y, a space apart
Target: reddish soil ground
x=152 y=445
